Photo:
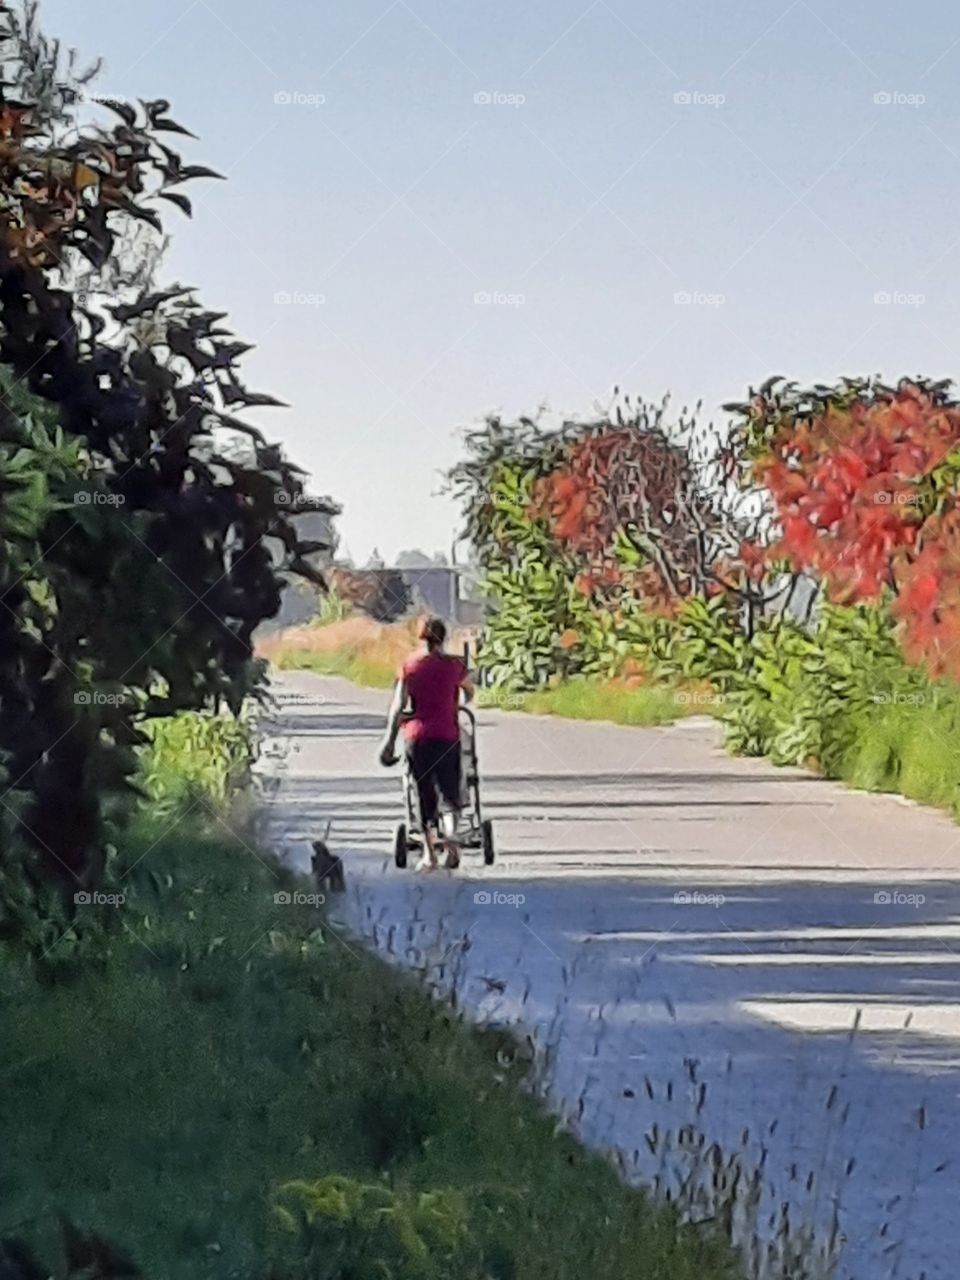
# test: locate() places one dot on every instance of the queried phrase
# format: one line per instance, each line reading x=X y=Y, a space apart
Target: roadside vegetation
x=353 y=646
x=617 y=701
x=824 y=697
x=213 y=1081
x=795 y=576
x=197 y=1078
x=145 y=526
x=200 y=1078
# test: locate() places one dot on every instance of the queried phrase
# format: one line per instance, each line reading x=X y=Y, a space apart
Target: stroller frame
x=475 y=831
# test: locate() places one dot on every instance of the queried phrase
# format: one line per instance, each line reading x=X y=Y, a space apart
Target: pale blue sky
x=596 y=199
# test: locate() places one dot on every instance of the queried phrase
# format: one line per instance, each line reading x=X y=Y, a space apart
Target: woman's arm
x=388 y=750
x=466 y=684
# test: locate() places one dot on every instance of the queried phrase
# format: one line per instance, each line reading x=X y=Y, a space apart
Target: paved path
x=694 y=927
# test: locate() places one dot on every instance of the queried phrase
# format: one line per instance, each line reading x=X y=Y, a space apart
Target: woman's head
x=434 y=632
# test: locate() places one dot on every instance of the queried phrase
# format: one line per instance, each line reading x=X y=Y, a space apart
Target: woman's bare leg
x=429 y=860
x=450 y=821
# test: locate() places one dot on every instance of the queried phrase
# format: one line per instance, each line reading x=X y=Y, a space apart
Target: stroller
x=476 y=832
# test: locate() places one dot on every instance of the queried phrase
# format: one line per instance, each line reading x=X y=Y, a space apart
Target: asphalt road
x=693 y=942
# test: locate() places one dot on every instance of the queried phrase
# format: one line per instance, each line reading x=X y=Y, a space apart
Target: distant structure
x=439 y=589
x=388 y=594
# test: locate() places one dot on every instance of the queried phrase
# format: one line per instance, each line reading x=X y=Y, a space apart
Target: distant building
x=439 y=590
x=389 y=594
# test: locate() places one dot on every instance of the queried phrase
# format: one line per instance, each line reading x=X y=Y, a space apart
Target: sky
x=437 y=210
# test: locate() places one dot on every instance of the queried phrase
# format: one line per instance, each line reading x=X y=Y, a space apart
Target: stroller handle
x=468 y=714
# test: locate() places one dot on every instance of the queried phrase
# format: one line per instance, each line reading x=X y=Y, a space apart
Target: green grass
x=355 y=667
x=161 y=1093
x=913 y=749
x=587 y=699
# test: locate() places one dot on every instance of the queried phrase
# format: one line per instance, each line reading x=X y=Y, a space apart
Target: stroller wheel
x=489 y=853
x=400 y=845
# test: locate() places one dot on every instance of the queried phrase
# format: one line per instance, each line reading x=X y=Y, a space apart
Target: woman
x=431 y=681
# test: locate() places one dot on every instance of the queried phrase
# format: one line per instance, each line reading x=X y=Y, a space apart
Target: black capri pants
x=435 y=766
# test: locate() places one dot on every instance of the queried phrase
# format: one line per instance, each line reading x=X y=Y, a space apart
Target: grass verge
x=220 y=1044
x=611 y=700
x=352 y=666
x=911 y=749
x=370 y=654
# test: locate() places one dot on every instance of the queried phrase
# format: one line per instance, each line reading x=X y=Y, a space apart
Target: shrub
x=197 y=758
x=355 y=1231
x=134 y=552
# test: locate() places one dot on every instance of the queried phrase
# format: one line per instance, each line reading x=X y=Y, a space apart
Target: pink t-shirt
x=433 y=682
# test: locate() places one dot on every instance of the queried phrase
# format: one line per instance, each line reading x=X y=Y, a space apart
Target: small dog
x=326 y=867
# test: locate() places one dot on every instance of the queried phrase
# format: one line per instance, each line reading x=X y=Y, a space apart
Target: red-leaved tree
x=863 y=480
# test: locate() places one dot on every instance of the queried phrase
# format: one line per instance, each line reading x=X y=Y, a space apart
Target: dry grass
x=367 y=652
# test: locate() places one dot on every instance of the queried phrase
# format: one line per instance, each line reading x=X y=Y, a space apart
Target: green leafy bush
x=356 y=1231
x=332 y=606
x=197 y=757
x=139 y=550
